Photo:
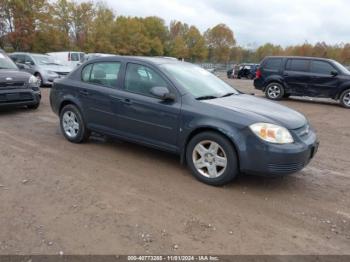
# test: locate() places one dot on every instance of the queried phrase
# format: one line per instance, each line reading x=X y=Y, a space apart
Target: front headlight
x=272 y=133
x=33 y=81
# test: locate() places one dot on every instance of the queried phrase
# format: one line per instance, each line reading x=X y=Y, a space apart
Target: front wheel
x=274 y=91
x=345 y=98
x=212 y=158
x=72 y=124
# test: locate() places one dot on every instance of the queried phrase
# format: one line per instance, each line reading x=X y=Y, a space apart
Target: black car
x=243 y=71
x=17 y=88
x=281 y=77
x=184 y=109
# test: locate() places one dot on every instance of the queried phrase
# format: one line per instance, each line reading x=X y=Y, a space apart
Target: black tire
x=33 y=107
x=344 y=98
x=82 y=133
x=274 y=91
x=231 y=169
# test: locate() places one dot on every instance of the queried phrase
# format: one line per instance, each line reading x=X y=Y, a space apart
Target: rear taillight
x=258 y=73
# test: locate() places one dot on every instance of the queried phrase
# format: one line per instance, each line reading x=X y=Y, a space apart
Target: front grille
x=285 y=168
x=10 y=85
x=15 y=97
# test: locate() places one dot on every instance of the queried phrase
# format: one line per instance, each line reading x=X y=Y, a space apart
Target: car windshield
x=342 y=68
x=198 y=81
x=45 y=60
x=6 y=62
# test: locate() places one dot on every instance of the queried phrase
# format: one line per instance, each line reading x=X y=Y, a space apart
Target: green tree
x=220 y=41
x=195 y=42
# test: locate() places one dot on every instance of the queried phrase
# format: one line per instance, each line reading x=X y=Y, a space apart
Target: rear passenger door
x=297 y=76
x=323 y=80
x=100 y=82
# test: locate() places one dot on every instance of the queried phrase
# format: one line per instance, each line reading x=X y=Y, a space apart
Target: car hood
x=261 y=109
x=14 y=74
x=56 y=68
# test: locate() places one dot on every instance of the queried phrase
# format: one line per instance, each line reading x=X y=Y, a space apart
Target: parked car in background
x=243 y=71
x=68 y=58
x=43 y=67
x=281 y=77
x=182 y=108
x=17 y=88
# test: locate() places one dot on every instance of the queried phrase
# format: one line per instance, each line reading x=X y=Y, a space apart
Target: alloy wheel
x=346 y=99
x=274 y=91
x=209 y=159
x=70 y=124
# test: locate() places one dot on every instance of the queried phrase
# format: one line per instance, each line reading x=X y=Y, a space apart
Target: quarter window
x=140 y=79
x=299 y=65
x=273 y=63
x=321 y=67
x=103 y=73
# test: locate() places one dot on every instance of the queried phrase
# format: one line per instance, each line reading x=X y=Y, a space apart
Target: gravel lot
x=112 y=197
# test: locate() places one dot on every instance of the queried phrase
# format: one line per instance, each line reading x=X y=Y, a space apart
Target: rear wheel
x=72 y=124
x=274 y=91
x=345 y=98
x=212 y=158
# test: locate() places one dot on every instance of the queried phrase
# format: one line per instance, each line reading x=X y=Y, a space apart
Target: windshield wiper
x=228 y=94
x=206 y=97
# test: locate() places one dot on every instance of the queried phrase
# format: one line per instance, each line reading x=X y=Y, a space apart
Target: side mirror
x=162 y=93
x=334 y=73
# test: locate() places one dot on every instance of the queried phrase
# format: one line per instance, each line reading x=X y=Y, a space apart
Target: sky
x=254 y=22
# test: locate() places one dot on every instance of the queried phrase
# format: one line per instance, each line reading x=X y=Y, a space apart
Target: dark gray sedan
x=182 y=108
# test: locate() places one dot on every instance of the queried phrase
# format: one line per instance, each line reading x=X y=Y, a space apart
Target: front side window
x=299 y=65
x=102 y=73
x=140 y=79
x=321 y=67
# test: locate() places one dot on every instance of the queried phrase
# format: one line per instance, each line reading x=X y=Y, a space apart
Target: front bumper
x=263 y=158
x=19 y=97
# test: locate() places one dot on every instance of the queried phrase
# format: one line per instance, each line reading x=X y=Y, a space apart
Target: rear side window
x=85 y=74
x=74 y=57
x=273 y=63
x=299 y=65
x=321 y=67
x=103 y=73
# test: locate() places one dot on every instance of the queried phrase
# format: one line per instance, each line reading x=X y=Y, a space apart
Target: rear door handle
x=127 y=101
x=84 y=92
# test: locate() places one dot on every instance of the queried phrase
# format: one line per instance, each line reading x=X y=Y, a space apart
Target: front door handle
x=84 y=92
x=127 y=101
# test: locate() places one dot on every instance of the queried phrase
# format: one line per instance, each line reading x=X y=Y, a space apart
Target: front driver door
x=144 y=117
x=323 y=80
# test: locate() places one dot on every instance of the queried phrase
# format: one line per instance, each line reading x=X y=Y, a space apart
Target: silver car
x=45 y=68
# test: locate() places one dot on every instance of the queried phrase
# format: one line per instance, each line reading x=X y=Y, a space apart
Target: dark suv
x=281 y=77
x=184 y=109
x=17 y=88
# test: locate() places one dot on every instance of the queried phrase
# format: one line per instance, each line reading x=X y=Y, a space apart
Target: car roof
x=27 y=53
x=147 y=59
x=300 y=57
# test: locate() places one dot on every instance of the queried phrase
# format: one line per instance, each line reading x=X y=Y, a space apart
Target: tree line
x=43 y=26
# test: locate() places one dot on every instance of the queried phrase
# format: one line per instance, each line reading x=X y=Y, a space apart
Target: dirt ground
x=112 y=197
